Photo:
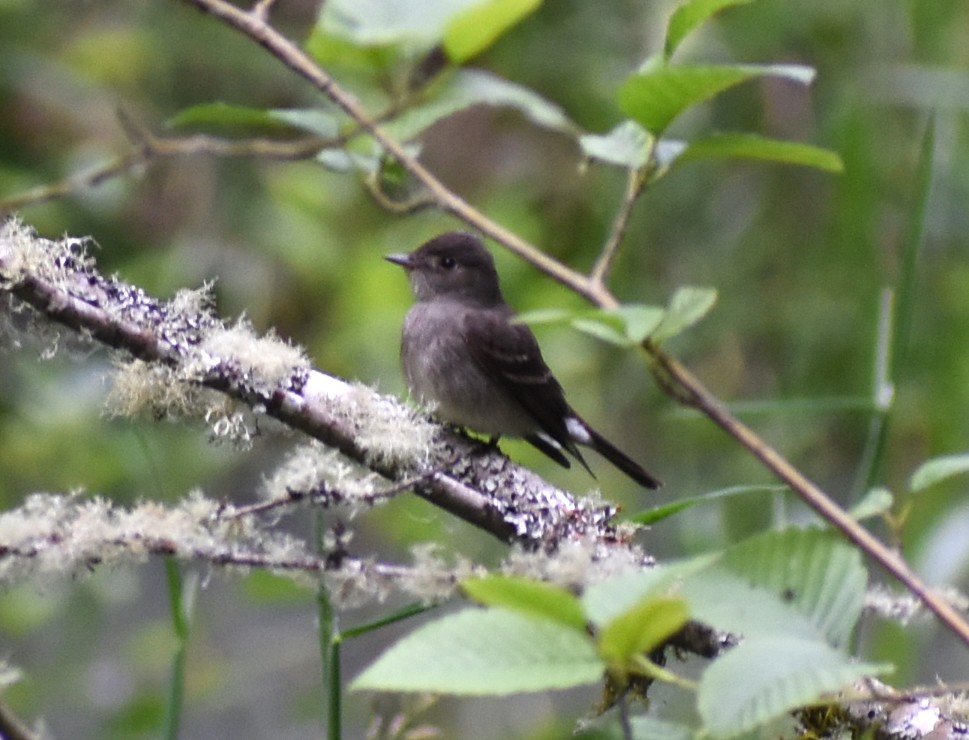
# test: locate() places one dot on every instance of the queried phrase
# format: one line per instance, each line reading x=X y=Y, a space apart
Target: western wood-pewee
x=461 y=351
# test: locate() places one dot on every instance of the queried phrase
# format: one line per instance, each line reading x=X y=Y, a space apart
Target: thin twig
x=74 y=183
x=147 y=146
x=261 y=9
x=400 y=207
x=324 y=493
x=635 y=183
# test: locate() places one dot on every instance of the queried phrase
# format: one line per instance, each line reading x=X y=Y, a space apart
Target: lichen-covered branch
x=183 y=347
x=62 y=536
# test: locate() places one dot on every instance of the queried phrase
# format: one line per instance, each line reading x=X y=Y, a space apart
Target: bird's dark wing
x=509 y=354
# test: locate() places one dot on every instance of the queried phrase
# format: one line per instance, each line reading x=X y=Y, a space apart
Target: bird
x=463 y=353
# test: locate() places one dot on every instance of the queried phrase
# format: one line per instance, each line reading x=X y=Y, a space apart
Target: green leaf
x=765 y=677
x=595 y=322
x=469 y=87
x=687 y=306
x=625 y=326
x=605 y=327
x=641 y=628
x=606 y=600
x=314 y=120
x=815 y=572
x=753 y=146
x=528 y=596
x=690 y=15
x=937 y=470
x=658 y=513
x=387 y=22
x=651 y=728
x=639 y=321
x=473 y=30
x=545 y=316
x=485 y=652
x=224 y=115
x=874 y=503
x=720 y=597
x=656 y=96
x=627 y=145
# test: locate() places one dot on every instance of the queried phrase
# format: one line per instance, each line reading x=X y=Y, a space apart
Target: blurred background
x=799 y=257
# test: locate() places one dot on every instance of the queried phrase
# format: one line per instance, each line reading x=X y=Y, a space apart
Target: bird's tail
x=618 y=458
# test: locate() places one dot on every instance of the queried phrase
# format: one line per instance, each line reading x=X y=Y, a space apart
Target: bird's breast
x=440 y=370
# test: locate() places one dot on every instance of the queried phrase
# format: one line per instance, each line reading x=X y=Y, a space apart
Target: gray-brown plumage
x=461 y=351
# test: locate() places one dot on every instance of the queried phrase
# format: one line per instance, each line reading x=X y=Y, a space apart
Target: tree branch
x=146 y=146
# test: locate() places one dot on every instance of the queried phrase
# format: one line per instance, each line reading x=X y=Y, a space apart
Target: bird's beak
x=404 y=260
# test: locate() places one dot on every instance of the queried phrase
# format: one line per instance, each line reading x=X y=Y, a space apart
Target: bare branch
x=327 y=496
x=634 y=187
x=146 y=146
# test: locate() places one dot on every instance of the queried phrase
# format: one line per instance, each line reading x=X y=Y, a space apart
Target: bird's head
x=452 y=265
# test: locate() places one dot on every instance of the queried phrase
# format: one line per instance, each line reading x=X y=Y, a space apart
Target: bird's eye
x=448 y=263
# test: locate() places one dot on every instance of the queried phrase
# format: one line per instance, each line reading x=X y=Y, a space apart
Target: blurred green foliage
x=798 y=257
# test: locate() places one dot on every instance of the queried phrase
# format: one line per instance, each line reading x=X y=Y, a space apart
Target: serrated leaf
x=937 y=470
x=485 y=652
x=474 y=29
x=627 y=145
x=658 y=513
x=641 y=628
x=529 y=597
x=766 y=676
x=719 y=597
x=465 y=88
x=753 y=146
x=874 y=503
x=690 y=15
x=687 y=306
x=656 y=96
x=815 y=572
